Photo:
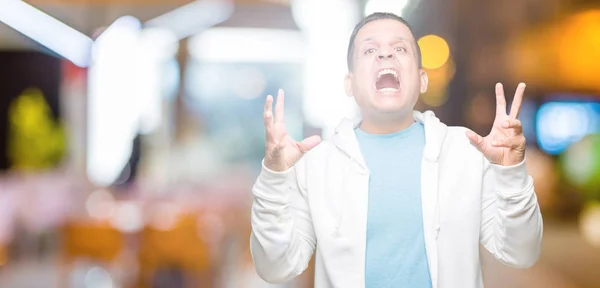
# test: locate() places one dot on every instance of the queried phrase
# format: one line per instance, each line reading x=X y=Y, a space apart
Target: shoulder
x=457 y=134
x=320 y=152
x=457 y=142
x=315 y=161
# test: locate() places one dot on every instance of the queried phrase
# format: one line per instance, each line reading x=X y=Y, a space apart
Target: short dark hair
x=373 y=17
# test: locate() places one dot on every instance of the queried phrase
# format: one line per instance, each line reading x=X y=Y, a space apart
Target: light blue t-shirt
x=395 y=255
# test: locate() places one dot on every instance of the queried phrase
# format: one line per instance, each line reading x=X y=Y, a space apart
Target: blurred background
x=131 y=131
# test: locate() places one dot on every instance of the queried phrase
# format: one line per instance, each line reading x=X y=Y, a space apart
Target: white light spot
x=128 y=217
x=100 y=204
x=98 y=278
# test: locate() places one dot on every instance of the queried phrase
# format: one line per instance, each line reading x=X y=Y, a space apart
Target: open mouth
x=387 y=81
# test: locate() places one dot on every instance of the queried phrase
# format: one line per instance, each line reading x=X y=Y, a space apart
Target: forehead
x=383 y=29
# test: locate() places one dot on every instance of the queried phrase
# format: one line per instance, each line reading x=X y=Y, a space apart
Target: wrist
x=511 y=179
x=273 y=186
x=274 y=167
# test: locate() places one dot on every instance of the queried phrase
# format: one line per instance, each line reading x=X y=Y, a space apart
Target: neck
x=385 y=125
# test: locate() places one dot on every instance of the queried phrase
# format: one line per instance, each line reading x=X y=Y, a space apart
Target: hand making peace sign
x=505 y=145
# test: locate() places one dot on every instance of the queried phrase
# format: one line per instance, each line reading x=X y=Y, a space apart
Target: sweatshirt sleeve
x=512 y=226
x=282 y=240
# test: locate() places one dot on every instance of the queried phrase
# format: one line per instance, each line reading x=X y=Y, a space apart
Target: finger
x=279 y=117
x=309 y=143
x=268 y=116
x=514 y=124
x=509 y=142
x=500 y=100
x=517 y=100
x=476 y=140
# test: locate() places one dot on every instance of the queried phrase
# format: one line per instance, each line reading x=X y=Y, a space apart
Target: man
x=396 y=198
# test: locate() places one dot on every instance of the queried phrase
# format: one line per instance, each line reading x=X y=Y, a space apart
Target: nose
x=385 y=55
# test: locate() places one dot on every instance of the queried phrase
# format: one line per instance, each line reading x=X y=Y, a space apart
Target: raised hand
x=282 y=151
x=505 y=145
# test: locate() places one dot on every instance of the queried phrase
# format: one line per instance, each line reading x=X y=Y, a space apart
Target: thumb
x=309 y=143
x=476 y=140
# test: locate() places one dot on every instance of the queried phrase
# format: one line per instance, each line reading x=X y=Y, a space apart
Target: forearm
x=280 y=249
x=514 y=231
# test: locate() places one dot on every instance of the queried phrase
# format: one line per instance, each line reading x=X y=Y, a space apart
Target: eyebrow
x=403 y=39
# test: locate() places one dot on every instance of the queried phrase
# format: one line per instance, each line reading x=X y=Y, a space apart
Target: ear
x=348 y=85
x=424 y=80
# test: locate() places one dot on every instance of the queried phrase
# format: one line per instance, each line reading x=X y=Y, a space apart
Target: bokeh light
x=562 y=123
x=580 y=33
x=545 y=54
x=434 y=51
x=589 y=223
x=581 y=164
x=98 y=277
x=128 y=217
x=437 y=94
x=100 y=204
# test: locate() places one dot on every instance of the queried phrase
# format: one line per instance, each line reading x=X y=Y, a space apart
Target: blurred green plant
x=36 y=140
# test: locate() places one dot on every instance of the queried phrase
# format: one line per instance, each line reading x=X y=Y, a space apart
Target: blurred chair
x=179 y=249
x=95 y=241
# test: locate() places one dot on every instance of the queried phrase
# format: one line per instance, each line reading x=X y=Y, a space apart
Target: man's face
x=385 y=78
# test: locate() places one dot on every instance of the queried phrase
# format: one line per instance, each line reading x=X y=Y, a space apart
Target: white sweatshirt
x=320 y=205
